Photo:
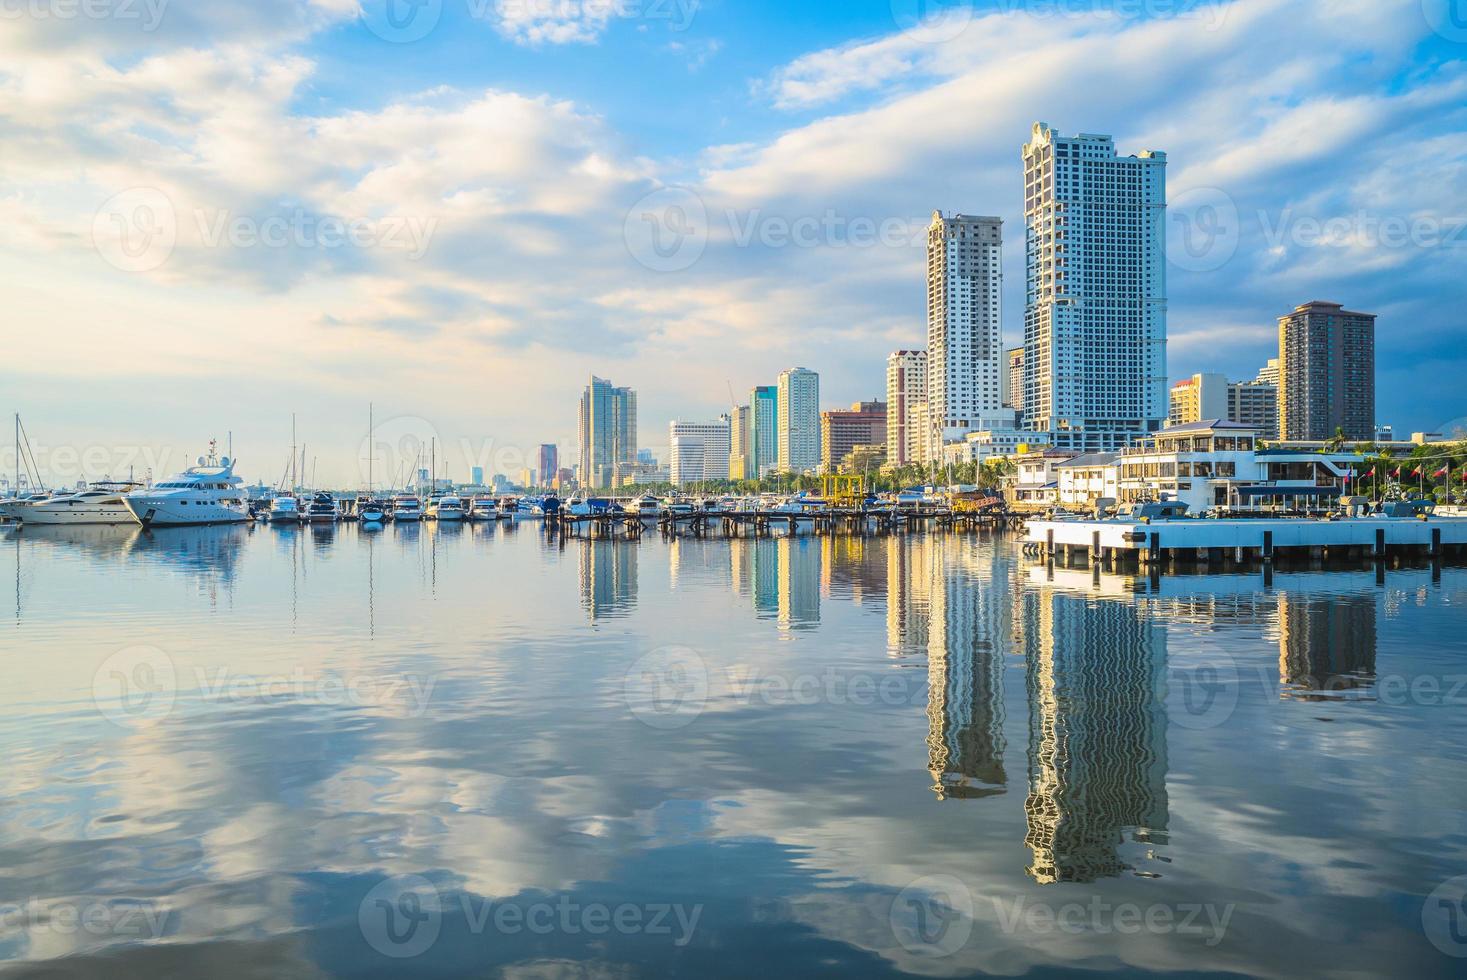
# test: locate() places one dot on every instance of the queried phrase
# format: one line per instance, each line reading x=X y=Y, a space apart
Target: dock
x=1212 y=541
x=757 y=523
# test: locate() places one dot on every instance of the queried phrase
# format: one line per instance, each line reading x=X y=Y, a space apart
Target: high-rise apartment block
x=763 y=431
x=799 y=420
x=842 y=431
x=1326 y=373
x=699 y=451
x=607 y=431
x=1095 y=291
x=906 y=388
x=965 y=356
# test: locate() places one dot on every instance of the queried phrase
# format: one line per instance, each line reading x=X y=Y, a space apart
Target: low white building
x=1087 y=479
x=1035 y=484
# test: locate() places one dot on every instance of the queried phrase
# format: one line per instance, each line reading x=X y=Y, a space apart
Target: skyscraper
x=763 y=431
x=843 y=431
x=799 y=419
x=906 y=387
x=1015 y=397
x=608 y=431
x=739 y=467
x=699 y=451
x=1326 y=372
x=965 y=356
x=1095 y=292
x=547 y=463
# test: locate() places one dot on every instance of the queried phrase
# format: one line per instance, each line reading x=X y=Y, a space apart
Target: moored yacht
x=206 y=493
x=373 y=511
x=447 y=508
x=483 y=508
x=407 y=507
x=644 y=506
x=284 y=509
x=100 y=503
x=321 y=510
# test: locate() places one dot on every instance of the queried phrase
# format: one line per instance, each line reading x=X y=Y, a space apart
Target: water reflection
x=1327 y=645
x=608 y=576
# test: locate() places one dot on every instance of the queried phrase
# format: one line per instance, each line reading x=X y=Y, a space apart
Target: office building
x=1202 y=396
x=699 y=451
x=608 y=431
x=1326 y=373
x=906 y=387
x=799 y=420
x=965 y=356
x=1095 y=295
x=739 y=444
x=547 y=463
x=843 y=431
x=763 y=431
x=476 y=475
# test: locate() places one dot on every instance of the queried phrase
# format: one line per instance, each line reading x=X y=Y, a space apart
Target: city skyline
x=1266 y=213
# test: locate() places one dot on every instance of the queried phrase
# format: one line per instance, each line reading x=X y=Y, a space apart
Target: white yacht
x=11 y=508
x=206 y=493
x=407 y=507
x=100 y=503
x=483 y=508
x=284 y=509
x=447 y=508
x=321 y=510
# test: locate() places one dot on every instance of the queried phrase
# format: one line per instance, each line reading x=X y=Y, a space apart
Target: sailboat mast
x=370 y=447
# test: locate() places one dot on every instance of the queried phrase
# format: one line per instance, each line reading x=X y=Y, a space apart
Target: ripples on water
x=469 y=750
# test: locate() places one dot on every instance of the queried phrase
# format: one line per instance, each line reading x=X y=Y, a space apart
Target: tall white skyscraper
x=799 y=419
x=699 y=451
x=965 y=353
x=1095 y=295
x=906 y=388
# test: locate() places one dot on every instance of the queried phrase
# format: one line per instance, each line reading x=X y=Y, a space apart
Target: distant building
x=547 y=462
x=1326 y=372
x=1269 y=373
x=1095 y=265
x=608 y=431
x=842 y=431
x=763 y=431
x=965 y=358
x=640 y=474
x=739 y=467
x=476 y=475
x=699 y=451
x=799 y=420
x=906 y=387
x=1213 y=396
x=1255 y=403
x=564 y=478
x=1014 y=379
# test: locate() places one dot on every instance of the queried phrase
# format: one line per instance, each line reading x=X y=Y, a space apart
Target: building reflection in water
x=781 y=576
x=1327 y=645
x=608 y=577
x=967 y=633
x=1096 y=676
x=754 y=568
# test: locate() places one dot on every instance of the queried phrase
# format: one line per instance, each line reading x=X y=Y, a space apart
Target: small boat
x=645 y=506
x=579 y=506
x=321 y=510
x=677 y=506
x=446 y=508
x=373 y=511
x=509 y=508
x=407 y=507
x=284 y=510
x=483 y=508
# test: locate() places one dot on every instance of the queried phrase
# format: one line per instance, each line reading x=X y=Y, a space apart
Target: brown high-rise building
x=1326 y=373
x=840 y=432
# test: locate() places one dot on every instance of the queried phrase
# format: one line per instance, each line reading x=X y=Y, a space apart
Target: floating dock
x=1158 y=542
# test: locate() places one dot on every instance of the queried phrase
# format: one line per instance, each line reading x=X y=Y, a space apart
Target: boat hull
x=167 y=512
x=84 y=514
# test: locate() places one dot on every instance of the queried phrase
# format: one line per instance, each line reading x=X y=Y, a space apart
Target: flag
x=1397 y=474
x=1416 y=471
x=1440 y=472
x=1372 y=472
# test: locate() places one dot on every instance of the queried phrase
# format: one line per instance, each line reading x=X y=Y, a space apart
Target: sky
x=216 y=217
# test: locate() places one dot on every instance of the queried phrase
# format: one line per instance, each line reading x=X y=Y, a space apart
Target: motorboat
x=483 y=508
x=373 y=511
x=407 y=507
x=284 y=509
x=645 y=506
x=509 y=508
x=205 y=493
x=99 y=503
x=321 y=510
x=579 y=506
x=677 y=507
x=446 y=508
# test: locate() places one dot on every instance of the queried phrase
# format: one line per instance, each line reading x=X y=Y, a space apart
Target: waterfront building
x=906 y=387
x=1326 y=372
x=842 y=431
x=763 y=431
x=1096 y=299
x=1014 y=380
x=965 y=356
x=640 y=474
x=1086 y=480
x=994 y=443
x=608 y=431
x=739 y=444
x=863 y=459
x=699 y=451
x=1035 y=483
x=798 y=409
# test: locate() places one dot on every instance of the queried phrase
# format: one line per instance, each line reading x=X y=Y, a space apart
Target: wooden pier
x=759 y=523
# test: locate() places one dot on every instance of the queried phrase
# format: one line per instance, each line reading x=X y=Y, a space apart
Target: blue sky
x=489 y=189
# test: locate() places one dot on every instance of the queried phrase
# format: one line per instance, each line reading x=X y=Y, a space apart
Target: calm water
x=469 y=751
